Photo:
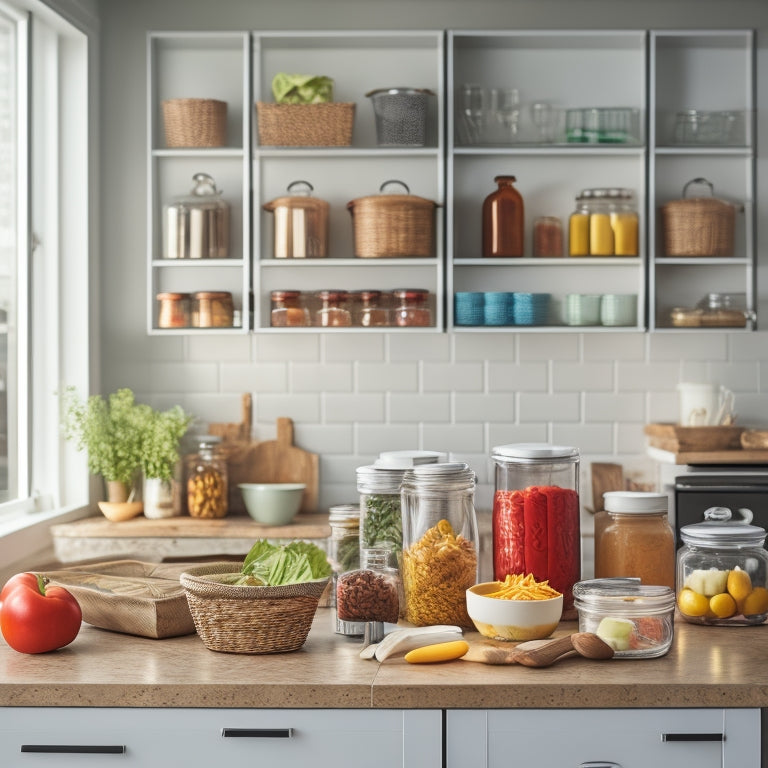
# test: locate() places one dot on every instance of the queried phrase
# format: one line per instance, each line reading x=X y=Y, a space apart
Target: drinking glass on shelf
x=544 y=117
x=474 y=112
x=505 y=111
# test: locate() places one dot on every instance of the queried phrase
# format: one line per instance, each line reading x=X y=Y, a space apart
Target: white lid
x=638 y=502
x=406 y=459
x=534 y=451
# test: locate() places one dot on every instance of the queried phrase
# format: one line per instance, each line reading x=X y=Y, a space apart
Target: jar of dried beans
x=440 y=543
x=535 y=519
x=207 y=481
x=369 y=593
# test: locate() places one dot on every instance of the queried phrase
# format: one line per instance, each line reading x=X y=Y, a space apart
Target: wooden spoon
x=543 y=653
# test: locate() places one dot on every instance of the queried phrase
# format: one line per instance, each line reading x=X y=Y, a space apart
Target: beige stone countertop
x=706 y=667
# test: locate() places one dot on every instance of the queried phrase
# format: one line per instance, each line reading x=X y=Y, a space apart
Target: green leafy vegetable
x=301 y=89
x=272 y=565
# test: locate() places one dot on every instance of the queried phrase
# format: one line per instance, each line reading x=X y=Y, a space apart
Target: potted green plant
x=159 y=457
x=110 y=430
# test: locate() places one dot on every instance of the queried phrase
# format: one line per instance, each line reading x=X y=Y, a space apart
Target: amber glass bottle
x=503 y=216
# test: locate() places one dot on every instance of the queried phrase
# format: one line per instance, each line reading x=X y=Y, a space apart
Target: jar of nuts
x=207 y=480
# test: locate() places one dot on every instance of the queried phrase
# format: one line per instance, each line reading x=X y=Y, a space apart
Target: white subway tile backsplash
x=169 y=349
x=549 y=346
x=341 y=469
x=614 y=346
x=456 y=377
x=221 y=348
x=183 y=377
x=564 y=407
x=739 y=376
x=417 y=408
x=630 y=437
x=633 y=377
x=326 y=439
x=435 y=347
x=663 y=407
x=504 y=434
x=301 y=408
x=588 y=438
x=484 y=346
x=330 y=377
x=299 y=347
x=265 y=377
x=354 y=346
x=343 y=408
x=518 y=377
x=574 y=377
x=600 y=406
x=748 y=346
x=483 y=408
x=388 y=377
x=455 y=438
x=372 y=439
x=752 y=409
x=687 y=346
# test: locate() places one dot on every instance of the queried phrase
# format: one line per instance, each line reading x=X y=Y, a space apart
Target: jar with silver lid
x=344 y=555
x=440 y=543
x=722 y=570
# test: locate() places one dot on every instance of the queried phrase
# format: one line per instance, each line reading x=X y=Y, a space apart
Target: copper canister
x=212 y=309
x=301 y=224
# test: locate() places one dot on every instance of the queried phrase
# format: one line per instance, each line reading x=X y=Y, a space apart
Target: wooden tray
x=130 y=596
x=673 y=437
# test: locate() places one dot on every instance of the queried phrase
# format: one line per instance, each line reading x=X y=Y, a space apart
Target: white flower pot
x=162 y=498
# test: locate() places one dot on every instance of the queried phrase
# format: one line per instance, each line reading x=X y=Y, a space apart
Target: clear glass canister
x=369 y=593
x=207 y=481
x=372 y=311
x=636 y=620
x=288 y=310
x=412 y=308
x=601 y=239
x=536 y=516
x=212 y=309
x=344 y=555
x=578 y=225
x=624 y=222
x=334 y=312
x=547 y=237
x=440 y=543
x=637 y=539
x=722 y=570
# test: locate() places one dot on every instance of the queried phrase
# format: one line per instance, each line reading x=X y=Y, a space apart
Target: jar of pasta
x=440 y=543
x=207 y=480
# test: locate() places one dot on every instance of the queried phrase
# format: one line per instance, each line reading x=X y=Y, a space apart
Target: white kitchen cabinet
x=596 y=738
x=62 y=737
x=711 y=72
x=565 y=70
x=212 y=65
x=358 y=62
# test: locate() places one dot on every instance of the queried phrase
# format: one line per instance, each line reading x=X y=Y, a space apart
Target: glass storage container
x=372 y=311
x=212 y=309
x=636 y=620
x=440 y=543
x=173 y=310
x=722 y=570
x=578 y=225
x=301 y=223
x=333 y=312
x=536 y=516
x=412 y=308
x=635 y=538
x=624 y=222
x=503 y=220
x=344 y=555
x=547 y=237
x=207 y=480
x=288 y=310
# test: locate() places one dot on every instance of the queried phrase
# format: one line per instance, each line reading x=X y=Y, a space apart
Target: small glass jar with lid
x=636 y=539
x=333 y=312
x=636 y=620
x=547 y=237
x=344 y=555
x=722 y=570
x=578 y=225
x=288 y=310
x=440 y=543
x=207 y=480
x=624 y=222
x=173 y=310
x=601 y=239
x=412 y=308
x=371 y=311
x=212 y=309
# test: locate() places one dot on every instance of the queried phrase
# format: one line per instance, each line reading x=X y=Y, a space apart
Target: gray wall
x=351 y=397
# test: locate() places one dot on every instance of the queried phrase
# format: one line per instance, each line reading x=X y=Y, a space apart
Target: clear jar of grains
x=207 y=481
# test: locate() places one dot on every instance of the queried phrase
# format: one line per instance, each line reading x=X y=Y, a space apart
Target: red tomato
x=35 y=618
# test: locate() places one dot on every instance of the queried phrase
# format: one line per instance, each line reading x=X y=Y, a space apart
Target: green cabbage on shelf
x=302 y=89
x=273 y=565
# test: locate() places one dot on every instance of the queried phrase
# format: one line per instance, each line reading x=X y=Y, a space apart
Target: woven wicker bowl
x=195 y=122
x=235 y=619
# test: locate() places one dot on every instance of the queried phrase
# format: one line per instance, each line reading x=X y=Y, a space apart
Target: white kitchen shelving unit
x=710 y=70
x=567 y=69
x=200 y=65
x=358 y=62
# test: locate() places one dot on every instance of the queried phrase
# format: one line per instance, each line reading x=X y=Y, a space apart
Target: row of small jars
x=204 y=309
x=605 y=223
x=405 y=307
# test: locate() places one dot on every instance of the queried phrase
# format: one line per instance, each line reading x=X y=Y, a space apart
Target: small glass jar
x=547 y=237
x=173 y=310
x=636 y=620
x=212 y=309
x=440 y=543
x=624 y=222
x=503 y=220
x=344 y=555
x=722 y=570
x=369 y=593
x=333 y=312
x=288 y=310
x=412 y=308
x=207 y=482
x=637 y=539
x=537 y=494
x=371 y=312
x=578 y=225
x=601 y=239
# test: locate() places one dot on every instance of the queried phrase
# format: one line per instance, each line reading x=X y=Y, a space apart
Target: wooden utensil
x=542 y=653
x=605 y=477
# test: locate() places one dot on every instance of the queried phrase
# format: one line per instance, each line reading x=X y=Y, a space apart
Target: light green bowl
x=272 y=503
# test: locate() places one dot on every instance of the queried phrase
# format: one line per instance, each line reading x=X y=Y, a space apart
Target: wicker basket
x=236 y=619
x=393 y=226
x=195 y=122
x=698 y=226
x=305 y=125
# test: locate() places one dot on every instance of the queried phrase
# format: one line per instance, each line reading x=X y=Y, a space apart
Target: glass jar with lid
x=207 y=480
x=601 y=238
x=288 y=310
x=536 y=516
x=440 y=543
x=173 y=310
x=578 y=225
x=636 y=620
x=212 y=309
x=412 y=308
x=722 y=570
x=333 y=312
x=547 y=237
x=636 y=539
x=372 y=311
x=624 y=222
x=503 y=220
x=344 y=555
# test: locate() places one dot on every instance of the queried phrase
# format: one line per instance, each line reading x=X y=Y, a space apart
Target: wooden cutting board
x=673 y=437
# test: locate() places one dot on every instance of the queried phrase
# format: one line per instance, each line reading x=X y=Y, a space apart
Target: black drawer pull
x=257 y=733
x=599 y=764
x=75 y=749
x=693 y=737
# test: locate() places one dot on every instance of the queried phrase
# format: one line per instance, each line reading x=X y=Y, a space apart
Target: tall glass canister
x=344 y=555
x=440 y=543
x=535 y=521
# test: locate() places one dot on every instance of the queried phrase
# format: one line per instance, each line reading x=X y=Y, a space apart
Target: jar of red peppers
x=536 y=526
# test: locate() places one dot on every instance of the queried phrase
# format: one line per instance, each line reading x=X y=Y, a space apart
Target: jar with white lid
x=636 y=539
x=536 y=515
x=440 y=543
x=636 y=620
x=722 y=570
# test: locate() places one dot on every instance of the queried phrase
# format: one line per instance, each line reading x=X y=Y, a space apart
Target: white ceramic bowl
x=502 y=619
x=272 y=503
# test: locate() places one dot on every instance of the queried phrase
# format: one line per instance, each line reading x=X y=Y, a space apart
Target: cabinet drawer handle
x=257 y=733
x=693 y=737
x=75 y=749
x=599 y=764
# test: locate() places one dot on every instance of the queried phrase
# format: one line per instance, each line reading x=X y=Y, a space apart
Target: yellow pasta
x=520 y=587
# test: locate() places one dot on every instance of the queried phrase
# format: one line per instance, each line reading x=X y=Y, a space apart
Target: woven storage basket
x=305 y=125
x=195 y=122
x=235 y=619
x=698 y=226
x=393 y=226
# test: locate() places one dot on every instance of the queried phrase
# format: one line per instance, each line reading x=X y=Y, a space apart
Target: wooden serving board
x=676 y=438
